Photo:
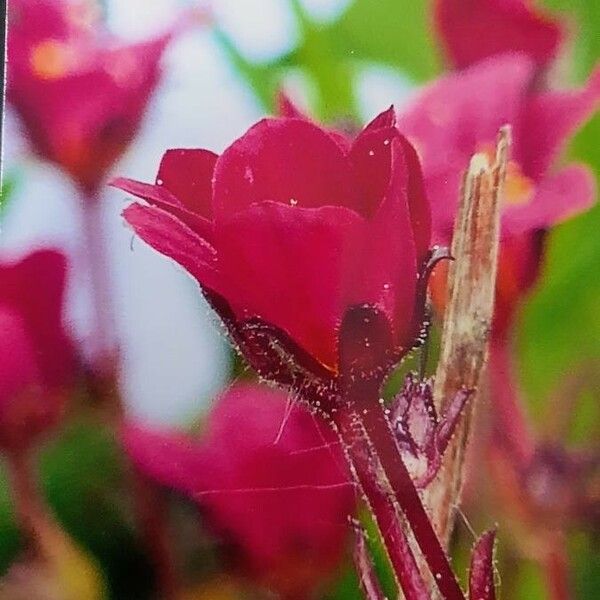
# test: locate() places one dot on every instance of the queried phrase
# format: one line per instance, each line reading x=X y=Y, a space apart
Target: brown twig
x=468 y=316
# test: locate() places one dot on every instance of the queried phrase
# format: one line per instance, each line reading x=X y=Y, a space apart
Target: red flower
x=289 y=229
x=270 y=481
x=37 y=356
x=471 y=30
x=80 y=94
x=460 y=114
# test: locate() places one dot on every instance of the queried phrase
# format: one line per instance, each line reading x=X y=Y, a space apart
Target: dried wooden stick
x=468 y=317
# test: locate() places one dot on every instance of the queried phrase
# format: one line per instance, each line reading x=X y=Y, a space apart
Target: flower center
x=518 y=188
x=51 y=59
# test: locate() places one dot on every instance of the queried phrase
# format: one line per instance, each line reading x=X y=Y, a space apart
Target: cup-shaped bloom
x=269 y=479
x=471 y=30
x=37 y=354
x=460 y=115
x=290 y=228
x=80 y=93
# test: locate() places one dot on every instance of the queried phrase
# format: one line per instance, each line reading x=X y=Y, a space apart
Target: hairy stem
x=367 y=435
x=378 y=495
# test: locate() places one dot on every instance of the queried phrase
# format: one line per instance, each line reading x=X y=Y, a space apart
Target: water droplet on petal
x=293 y=202
x=159 y=182
x=371 y=153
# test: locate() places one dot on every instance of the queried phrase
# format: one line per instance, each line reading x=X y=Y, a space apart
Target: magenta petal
x=481 y=573
x=371 y=159
x=283 y=265
x=153 y=194
x=549 y=120
x=187 y=174
x=418 y=203
x=290 y=161
x=161 y=197
x=557 y=198
x=472 y=30
x=174 y=239
x=34 y=288
x=459 y=115
x=170 y=458
x=384 y=271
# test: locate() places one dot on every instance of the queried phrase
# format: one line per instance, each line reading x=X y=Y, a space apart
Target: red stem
x=408 y=498
x=510 y=423
x=360 y=453
x=364 y=412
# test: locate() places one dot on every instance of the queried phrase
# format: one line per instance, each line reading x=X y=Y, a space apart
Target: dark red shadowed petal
x=290 y=161
x=550 y=118
x=471 y=30
x=366 y=343
x=481 y=573
x=161 y=197
x=187 y=174
x=384 y=271
x=284 y=264
x=174 y=239
x=557 y=198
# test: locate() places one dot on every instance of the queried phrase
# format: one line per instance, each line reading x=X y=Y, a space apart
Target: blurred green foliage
x=81 y=477
x=9 y=182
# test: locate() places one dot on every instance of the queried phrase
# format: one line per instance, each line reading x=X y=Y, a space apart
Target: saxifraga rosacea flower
x=80 y=93
x=315 y=251
x=459 y=115
x=291 y=230
x=269 y=480
x=37 y=354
